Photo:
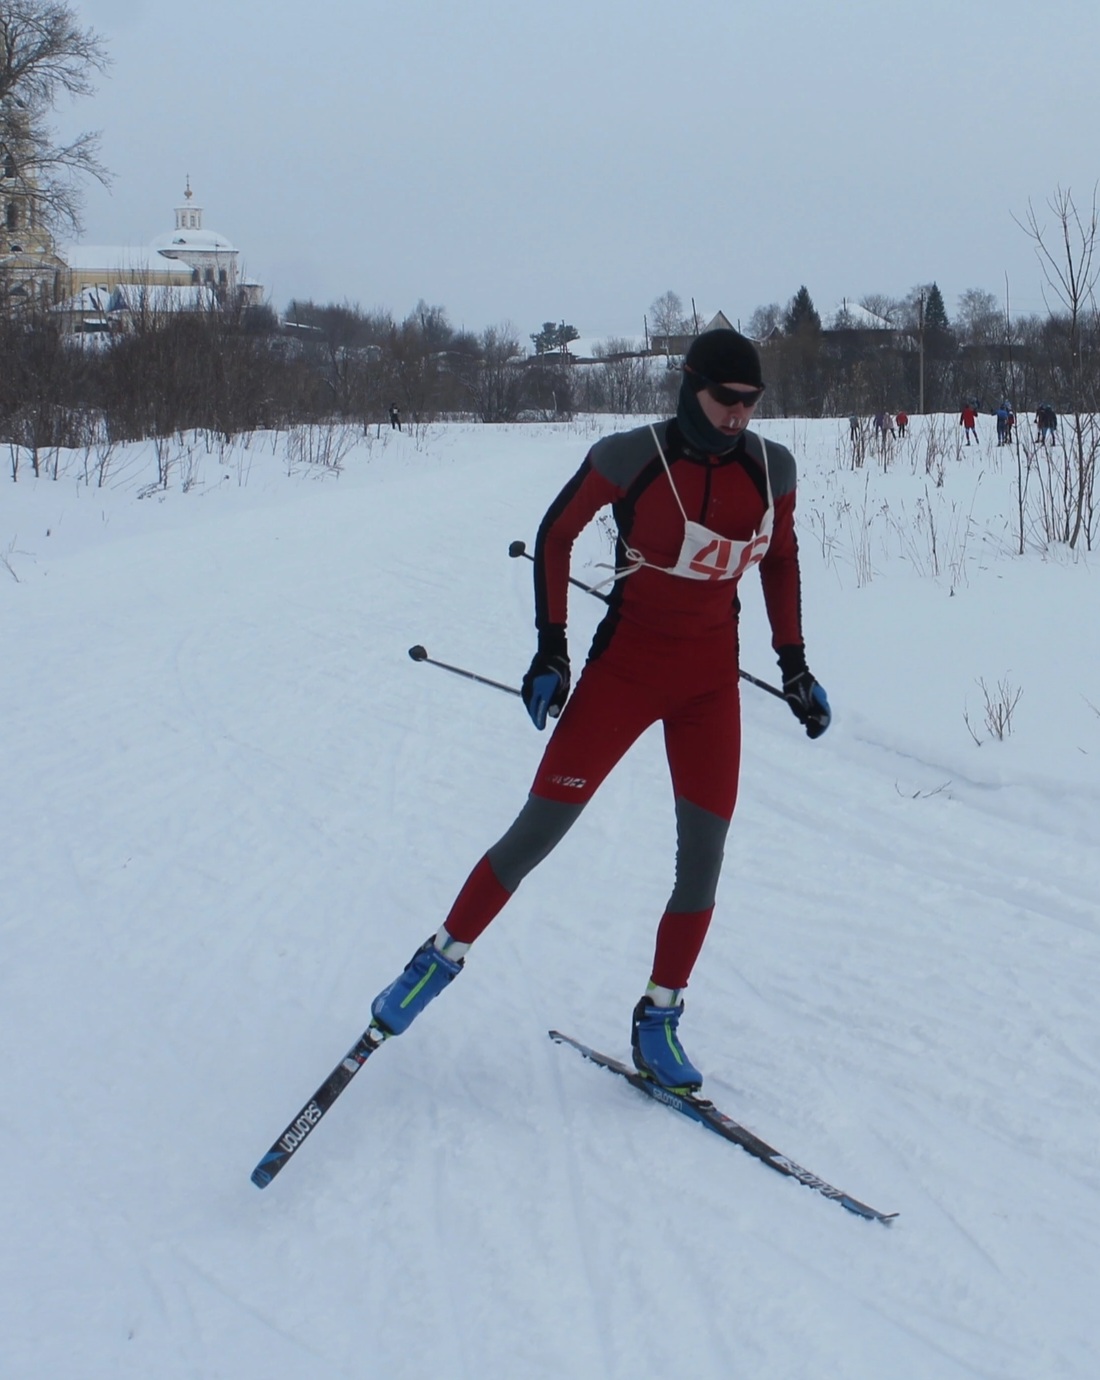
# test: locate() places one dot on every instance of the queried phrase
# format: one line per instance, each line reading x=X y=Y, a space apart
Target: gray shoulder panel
x=622 y=456
x=781 y=465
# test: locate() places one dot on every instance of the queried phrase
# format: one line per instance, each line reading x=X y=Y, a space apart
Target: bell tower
x=188 y=217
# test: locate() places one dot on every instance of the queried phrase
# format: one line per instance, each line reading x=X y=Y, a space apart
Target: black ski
x=707 y=1114
x=307 y=1119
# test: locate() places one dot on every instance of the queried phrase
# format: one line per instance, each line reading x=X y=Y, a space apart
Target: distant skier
x=395 y=419
x=666 y=652
x=1002 y=424
x=1046 y=421
x=902 y=420
x=969 y=421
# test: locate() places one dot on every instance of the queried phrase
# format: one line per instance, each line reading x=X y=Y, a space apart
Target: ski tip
x=260 y=1177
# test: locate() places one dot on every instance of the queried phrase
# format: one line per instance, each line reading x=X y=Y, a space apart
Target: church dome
x=181 y=240
x=189 y=236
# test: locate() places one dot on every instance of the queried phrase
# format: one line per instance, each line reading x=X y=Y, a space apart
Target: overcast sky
x=521 y=162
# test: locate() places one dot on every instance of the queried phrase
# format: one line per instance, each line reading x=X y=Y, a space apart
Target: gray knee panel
x=700 y=844
x=538 y=829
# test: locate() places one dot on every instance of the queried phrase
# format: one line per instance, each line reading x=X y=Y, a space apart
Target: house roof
x=138 y=297
x=88 y=299
x=859 y=317
x=87 y=258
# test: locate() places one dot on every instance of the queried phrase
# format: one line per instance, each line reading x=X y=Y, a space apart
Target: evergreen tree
x=801 y=316
x=555 y=335
x=935 y=313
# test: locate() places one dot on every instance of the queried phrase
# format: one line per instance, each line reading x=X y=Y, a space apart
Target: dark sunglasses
x=729 y=397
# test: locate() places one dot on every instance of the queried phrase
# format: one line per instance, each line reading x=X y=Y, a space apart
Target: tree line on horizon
x=244 y=369
x=885 y=353
x=240 y=368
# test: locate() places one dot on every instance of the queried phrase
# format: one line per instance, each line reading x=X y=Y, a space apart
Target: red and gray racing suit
x=667 y=650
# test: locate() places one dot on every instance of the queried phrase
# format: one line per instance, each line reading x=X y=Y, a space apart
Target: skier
x=969 y=420
x=902 y=420
x=1046 y=420
x=697 y=499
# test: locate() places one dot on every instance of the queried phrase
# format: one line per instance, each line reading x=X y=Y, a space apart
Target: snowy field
x=233 y=806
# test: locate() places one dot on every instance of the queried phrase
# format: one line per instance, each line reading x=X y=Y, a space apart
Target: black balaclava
x=722 y=356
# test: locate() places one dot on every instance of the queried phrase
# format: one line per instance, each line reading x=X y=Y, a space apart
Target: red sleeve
x=569 y=514
x=779 y=576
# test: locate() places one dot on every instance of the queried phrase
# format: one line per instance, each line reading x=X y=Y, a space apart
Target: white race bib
x=707 y=556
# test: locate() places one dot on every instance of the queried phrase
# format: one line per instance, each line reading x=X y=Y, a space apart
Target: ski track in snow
x=235 y=807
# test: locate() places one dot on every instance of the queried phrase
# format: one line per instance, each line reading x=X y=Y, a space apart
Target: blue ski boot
x=658 y=1053
x=426 y=974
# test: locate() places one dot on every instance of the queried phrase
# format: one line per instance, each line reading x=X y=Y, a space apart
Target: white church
x=188 y=268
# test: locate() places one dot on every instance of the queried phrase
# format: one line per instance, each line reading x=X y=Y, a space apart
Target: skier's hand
x=545 y=687
x=809 y=703
x=808 y=700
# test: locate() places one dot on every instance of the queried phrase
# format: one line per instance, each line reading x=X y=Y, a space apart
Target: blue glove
x=808 y=700
x=545 y=687
x=809 y=703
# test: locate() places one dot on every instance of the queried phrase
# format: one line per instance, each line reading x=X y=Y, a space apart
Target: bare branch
x=44 y=55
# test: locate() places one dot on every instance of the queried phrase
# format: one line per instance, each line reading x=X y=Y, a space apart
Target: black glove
x=808 y=700
x=545 y=687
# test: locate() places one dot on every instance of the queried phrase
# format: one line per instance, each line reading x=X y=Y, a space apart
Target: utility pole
x=920 y=334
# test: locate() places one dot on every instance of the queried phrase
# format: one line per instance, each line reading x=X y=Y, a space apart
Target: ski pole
x=519 y=548
x=420 y=654
x=763 y=685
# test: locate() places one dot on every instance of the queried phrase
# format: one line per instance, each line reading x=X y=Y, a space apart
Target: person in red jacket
x=969 y=421
x=697 y=500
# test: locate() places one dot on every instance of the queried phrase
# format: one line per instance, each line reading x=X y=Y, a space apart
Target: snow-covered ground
x=233 y=806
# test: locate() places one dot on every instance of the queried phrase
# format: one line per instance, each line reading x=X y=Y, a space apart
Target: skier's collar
x=681 y=446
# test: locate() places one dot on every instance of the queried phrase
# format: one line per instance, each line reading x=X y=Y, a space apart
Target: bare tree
x=765 y=321
x=1071 y=267
x=414 y=354
x=44 y=54
x=667 y=316
x=889 y=309
x=495 y=380
x=979 y=318
x=620 y=383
